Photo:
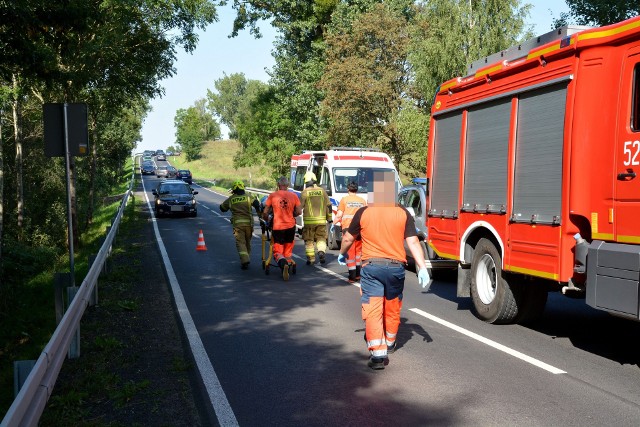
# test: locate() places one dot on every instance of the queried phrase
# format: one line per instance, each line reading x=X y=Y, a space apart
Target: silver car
x=162 y=171
x=414 y=198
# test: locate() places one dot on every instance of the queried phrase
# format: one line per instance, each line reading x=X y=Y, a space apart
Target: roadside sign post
x=66 y=134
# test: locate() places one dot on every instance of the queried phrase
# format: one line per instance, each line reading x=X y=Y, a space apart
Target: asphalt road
x=275 y=353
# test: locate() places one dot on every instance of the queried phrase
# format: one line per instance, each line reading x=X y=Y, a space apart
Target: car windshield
x=184 y=172
x=174 y=189
x=362 y=176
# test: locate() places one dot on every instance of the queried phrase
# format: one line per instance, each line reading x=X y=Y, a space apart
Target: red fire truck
x=532 y=165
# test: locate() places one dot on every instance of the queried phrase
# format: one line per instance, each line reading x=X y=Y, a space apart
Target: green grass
x=216 y=164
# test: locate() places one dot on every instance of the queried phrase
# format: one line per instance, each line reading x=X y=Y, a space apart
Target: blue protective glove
x=342 y=260
x=331 y=228
x=423 y=279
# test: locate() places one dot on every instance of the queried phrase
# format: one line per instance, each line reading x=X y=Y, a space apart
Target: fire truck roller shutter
x=487 y=148
x=538 y=167
x=444 y=196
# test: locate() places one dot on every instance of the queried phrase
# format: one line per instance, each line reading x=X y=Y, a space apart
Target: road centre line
x=216 y=394
x=489 y=342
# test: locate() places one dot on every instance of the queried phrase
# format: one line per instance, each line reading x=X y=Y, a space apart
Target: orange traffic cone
x=201 y=246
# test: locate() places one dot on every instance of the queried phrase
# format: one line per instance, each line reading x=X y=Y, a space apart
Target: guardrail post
x=21 y=370
x=74 y=347
x=60 y=282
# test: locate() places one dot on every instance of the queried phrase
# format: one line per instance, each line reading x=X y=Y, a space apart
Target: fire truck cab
x=335 y=169
x=532 y=163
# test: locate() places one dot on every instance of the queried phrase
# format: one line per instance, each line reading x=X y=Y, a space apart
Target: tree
x=232 y=100
x=108 y=54
x=194 y=126
x=599 y=12
x=367 y=81
x=450 y=34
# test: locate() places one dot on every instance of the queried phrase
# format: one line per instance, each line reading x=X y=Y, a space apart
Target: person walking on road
x=240 y=205
x=347 y=208
x=383 y=228
x=316 y=211
x=285 y=206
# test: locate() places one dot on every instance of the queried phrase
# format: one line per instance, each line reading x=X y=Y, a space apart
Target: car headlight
x=160 y=202
x=193 y=202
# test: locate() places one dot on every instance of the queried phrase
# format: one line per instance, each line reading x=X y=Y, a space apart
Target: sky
x=217 y=55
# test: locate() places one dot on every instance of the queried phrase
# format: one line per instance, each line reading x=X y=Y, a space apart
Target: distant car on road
x=162 y=171
x=173 y=196
x=147 y=169
x=171 y=171
x=185 y=175
x=161 y=157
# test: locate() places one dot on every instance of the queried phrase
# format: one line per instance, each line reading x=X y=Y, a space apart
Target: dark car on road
x=147 y=169
x=185 y=175
x=175 y=197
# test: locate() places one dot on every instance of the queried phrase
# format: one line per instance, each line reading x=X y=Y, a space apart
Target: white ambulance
x=335 y=169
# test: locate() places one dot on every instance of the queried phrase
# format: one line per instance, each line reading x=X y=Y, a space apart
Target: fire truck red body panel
x=532 y=149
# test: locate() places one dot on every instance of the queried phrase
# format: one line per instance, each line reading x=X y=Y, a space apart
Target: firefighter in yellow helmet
x=242 y=219
x=316 y=211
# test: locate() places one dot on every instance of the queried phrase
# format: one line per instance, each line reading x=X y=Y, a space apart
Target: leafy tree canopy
x=194 y=126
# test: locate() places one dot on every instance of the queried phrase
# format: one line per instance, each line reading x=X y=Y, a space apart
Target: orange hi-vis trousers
x=354 y=255
x=283 y=242
x=381 y=287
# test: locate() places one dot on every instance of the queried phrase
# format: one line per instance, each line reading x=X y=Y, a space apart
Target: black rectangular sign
x=54 y=129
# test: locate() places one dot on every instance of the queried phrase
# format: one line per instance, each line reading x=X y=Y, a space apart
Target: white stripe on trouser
x=390 y=339
x=379 y=353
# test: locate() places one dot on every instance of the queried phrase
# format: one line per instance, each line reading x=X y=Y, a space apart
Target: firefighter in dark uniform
x=240 y=205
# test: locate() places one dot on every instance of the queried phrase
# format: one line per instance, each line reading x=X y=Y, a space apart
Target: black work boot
x=352 y=276
x=322 y=257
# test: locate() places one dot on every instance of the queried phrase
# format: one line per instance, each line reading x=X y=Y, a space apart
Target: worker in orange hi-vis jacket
x=285 y=206
x=383 y=227
x=347 y=208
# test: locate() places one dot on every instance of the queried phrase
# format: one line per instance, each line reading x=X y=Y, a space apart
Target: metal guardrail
x=30 y=402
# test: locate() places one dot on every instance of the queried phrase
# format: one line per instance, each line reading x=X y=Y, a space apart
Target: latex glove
x=342 y=260
x=423 y=279
x=331 y=228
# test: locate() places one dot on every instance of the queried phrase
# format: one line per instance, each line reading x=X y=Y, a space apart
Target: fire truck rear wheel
x=493 y=298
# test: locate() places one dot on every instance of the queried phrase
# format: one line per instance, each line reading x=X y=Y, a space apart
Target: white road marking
x=489 y=342
x=216 y=394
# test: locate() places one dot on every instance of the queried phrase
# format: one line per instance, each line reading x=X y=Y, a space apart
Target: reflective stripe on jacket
x=315 y=205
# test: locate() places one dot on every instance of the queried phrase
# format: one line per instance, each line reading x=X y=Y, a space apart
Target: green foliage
x=450 y=34
x=194 y=126
x=367 y=81
x=229 y=100
x=598 y=12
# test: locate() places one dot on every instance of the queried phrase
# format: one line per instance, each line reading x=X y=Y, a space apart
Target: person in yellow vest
x=242 y=220
x=316 y=211
x=346 y=210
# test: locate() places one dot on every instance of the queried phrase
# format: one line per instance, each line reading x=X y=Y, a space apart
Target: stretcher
x=267 y=245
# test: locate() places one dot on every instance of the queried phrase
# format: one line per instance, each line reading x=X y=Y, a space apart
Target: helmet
x=237 y=185
x=310 y=176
